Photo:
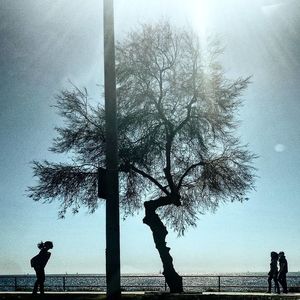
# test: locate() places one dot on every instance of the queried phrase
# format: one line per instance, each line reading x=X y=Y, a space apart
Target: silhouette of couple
x=39 y=262
x=275 y=275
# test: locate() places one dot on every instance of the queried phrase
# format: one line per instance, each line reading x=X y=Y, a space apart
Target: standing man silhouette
x=273 y=273
x=39 y=262
x=283 y=269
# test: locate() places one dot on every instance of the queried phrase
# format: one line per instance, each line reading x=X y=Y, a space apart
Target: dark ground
x=149 y=296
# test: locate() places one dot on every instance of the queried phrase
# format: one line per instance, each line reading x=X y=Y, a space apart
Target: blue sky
x=46 y=43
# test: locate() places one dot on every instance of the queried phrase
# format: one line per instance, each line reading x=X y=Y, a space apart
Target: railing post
x=64 y=283
x=219 y=283
x=16 y=283
x=165 y=284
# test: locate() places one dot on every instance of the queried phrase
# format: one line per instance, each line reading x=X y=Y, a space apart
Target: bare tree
x=178 y=151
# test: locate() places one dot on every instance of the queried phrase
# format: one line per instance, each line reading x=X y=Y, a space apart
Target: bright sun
x=199 y=14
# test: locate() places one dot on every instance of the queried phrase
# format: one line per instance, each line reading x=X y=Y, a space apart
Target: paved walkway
x=150 y=295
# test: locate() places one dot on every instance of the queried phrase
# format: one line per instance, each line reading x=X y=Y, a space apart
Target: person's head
x=281 y=254
x=274 y=255
x=47 y=245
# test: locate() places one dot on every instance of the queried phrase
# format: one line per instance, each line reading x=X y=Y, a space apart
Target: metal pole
x=219 y=283
x=112 y=202
x=64 y=283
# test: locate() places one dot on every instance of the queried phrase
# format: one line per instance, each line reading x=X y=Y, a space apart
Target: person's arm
x=284 y=267
x=270 y=272
x=46 y=257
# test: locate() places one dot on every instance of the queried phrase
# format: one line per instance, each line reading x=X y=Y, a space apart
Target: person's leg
x=269 y=284
x=42 y=280
x=284 y=283
x=35 y=288
x=280 y=279
x=277 y=288
x=40 y=275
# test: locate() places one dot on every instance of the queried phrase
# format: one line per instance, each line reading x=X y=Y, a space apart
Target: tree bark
x=159 y=231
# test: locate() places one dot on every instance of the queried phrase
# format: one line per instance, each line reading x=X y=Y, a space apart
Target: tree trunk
x=160 y=232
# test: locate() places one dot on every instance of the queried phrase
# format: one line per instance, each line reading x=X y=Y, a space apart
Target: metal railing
x=88 y=282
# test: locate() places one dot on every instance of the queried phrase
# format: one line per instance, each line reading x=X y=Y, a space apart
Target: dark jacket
x=283 y=265
x=39 y=261
x=273 y=267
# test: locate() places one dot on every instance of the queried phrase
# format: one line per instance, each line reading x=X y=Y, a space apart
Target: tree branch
x=188 y=116
x=153 y=180
x=187 y=171
x=167 y=169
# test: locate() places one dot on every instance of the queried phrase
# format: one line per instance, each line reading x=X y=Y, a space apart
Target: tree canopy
x=177 y=121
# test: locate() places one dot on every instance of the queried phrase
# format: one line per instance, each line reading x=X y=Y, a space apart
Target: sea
x=148 y=282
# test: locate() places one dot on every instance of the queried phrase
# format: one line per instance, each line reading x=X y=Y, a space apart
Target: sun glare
x=199 y=16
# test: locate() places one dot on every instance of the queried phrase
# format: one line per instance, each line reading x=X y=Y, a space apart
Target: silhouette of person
x=273 y=273
x=283 y=269
x=39 y=262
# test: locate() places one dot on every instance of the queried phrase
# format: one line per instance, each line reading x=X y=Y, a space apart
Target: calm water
x=207 y=282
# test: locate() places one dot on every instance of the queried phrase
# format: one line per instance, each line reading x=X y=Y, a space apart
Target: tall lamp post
x=112 y=181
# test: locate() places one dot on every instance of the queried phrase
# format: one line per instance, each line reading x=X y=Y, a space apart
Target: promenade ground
x=149 y=296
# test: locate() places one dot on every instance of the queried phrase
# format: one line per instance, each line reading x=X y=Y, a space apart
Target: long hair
x=47 y=244
x=274 y=255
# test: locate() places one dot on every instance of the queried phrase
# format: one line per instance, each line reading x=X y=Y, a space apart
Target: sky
x=45 y=44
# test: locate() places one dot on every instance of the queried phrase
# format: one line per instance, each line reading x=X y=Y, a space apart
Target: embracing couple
x=278 y=276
